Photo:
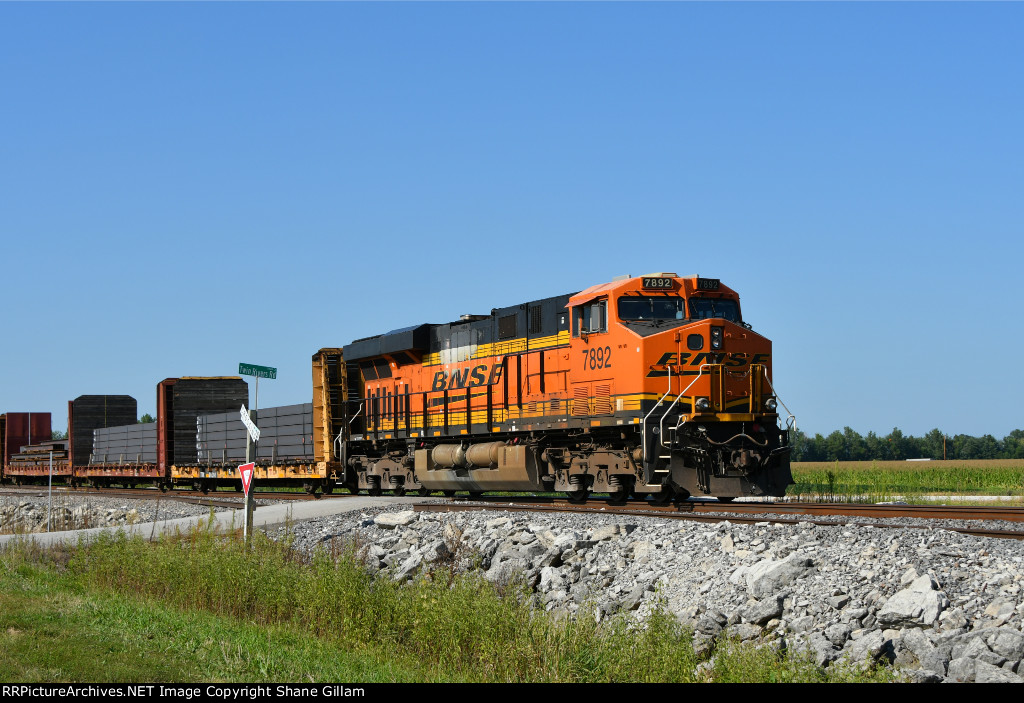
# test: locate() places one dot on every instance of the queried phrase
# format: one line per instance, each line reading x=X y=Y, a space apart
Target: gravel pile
x=939 y=605
x=27 y=513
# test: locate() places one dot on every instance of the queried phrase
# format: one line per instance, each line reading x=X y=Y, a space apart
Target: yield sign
x=246 y=471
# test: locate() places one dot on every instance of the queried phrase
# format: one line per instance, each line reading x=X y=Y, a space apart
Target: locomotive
x=645 y=385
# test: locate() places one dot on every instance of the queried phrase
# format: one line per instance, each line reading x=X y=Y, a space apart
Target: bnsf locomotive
x=648 y=385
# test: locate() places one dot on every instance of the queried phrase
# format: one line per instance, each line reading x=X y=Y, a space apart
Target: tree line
x=849 y=445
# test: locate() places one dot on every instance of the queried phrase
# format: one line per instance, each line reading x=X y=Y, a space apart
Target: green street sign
x=257 y=371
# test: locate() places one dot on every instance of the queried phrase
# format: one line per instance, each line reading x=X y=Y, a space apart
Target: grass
x=203 y=607
x=910 y=480
x=53 y=630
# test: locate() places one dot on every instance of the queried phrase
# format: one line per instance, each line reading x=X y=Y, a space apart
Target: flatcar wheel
x=448 y=494
x=578 y=496
x=726 y=499
x=476 y=495
x=327 y=489
x=424 y=492
x=354 y=490
x=164 y=487
x=398 y=490
x=309 y=488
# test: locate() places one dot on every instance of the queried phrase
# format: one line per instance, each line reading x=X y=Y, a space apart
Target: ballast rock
x=945 y=607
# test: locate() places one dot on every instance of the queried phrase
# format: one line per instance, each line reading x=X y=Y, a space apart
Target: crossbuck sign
x=254 y=431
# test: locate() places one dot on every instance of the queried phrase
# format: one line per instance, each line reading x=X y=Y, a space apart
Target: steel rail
x=872 y=510
x=668 y=514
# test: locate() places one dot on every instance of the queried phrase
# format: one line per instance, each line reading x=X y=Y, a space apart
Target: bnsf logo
x=729 y=360
x=462 y=378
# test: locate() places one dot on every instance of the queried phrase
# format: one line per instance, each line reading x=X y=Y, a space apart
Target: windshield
x=651 y=308
x=704 y=308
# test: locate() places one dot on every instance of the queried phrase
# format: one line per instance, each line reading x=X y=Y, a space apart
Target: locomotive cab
x=676 y=360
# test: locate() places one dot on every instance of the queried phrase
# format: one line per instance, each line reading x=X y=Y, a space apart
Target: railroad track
x=712 y=511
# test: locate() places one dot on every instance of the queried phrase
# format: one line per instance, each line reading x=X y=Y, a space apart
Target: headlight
x=703 y=405
x=770 y=405
x=716 y=337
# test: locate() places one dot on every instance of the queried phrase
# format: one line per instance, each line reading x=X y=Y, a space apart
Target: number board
x=708 y=283
x=651 y=283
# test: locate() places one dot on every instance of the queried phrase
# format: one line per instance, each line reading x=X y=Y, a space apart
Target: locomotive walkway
x=263 y=516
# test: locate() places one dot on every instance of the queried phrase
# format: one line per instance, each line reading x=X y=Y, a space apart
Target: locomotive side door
x=591 y=367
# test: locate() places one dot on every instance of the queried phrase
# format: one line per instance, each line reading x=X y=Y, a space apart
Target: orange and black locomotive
x=646 y=385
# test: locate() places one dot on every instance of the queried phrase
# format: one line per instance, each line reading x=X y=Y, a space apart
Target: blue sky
x=187 y=186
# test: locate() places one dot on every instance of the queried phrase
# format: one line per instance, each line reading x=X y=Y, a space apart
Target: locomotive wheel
x=662 y=497
x=374 y=488
x=164 y=487
x=578 y=496
x=621 y=492
x=354 y=490
x=726 y=499
x=423 y=492
x=476 y=495
x=309 y=488
x=448 y=494
x=620 y=496
x=399 y=490
x=327 y=489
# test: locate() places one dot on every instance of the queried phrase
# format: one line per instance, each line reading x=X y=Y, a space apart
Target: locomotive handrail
x=643 y=430
x=338 y=439
x=643 y=425
x=661 y=425
x=791 y=418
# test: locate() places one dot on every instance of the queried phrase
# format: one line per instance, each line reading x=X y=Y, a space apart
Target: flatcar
x=650 y=385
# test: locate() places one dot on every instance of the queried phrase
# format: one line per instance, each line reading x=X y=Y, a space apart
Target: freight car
x=646 y=385
x=106 y=446
x=21 y=435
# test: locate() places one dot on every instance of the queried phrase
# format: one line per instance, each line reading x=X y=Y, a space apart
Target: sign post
x=249 y=420
x=49 y=504
x=245 y=471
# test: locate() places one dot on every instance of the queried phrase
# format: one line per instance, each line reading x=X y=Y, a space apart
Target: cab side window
x=590 y=318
